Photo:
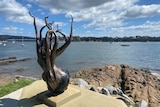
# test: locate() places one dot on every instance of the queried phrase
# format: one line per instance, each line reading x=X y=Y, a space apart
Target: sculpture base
x=72 y=97
x=57 y=101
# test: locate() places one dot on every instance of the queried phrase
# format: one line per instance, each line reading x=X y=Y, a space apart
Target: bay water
x=81 y=55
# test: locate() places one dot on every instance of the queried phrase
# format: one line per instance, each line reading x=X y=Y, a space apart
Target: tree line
x=94 y=39
x=117 y=39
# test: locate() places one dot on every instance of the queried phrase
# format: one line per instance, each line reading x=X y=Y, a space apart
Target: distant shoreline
x=87 y=39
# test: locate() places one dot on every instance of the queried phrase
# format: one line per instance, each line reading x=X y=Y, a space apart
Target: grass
x=6 y=89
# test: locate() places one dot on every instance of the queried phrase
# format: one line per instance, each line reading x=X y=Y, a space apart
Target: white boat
x=22 y=42
x=4 y=44
x=125 y=45
x=13 y=41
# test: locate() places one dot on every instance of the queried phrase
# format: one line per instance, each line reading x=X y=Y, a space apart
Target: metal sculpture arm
x=57 y=79
x=68 y=41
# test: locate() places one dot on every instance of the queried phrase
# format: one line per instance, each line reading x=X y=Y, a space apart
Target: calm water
x=81 y=55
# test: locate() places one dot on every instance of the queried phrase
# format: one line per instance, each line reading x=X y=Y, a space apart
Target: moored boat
x=125 y=45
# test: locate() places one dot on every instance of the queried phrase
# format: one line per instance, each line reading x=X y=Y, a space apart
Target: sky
x=92 y=18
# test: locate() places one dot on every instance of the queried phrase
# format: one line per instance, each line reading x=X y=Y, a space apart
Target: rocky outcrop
x=138 y=84
x=12 y=59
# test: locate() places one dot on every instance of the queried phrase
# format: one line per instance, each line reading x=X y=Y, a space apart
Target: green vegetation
x=6 y=89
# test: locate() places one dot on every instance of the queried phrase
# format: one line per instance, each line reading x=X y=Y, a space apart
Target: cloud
x=70 y=4
x=137 y=11
x=61 y=6
x=113 y=14
x=11 y=7
x=28 y=5
x=148 y=28
x=101 y=14
x=15 y=12
x=97 y=13
x=60 y=23
x=106 y=15
x=147 y=25
x=11 y=30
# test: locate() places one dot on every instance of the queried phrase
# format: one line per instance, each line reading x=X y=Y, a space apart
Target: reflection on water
x=81 y=55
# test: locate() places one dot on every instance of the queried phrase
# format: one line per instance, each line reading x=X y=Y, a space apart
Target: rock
x=80 y=83
x=94 y=88
x=113 y=91
x=8 y=60
x=12 y=59
x=138 y=84
x=110 y=90
x=142 y=103
x=101 y=77
x=104 y=91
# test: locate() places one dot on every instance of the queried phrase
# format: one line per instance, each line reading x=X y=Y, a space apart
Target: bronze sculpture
x=56 y=79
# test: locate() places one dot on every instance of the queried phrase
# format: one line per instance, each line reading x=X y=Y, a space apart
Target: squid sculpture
x=47 y=49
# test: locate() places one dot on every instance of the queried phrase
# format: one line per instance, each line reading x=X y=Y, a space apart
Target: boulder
x=80 y=83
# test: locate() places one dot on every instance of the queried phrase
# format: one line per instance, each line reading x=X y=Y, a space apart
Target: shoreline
x=6 y=77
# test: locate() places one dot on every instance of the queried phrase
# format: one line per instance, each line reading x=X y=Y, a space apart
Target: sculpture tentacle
x=56 y=79
x=68 y=41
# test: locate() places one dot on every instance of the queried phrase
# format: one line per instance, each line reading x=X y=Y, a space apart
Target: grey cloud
x=71 y=4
